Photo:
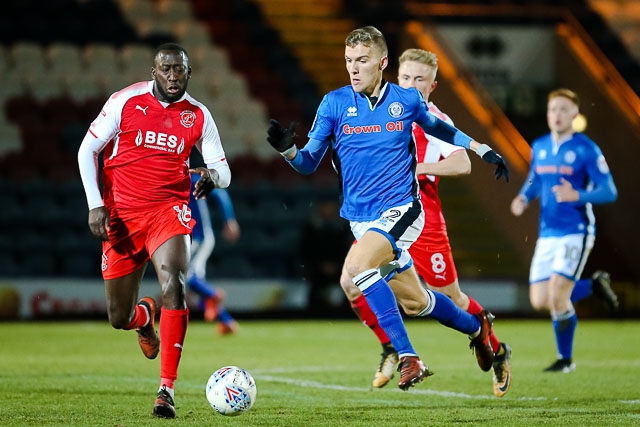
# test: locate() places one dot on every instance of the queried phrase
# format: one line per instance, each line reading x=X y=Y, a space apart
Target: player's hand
x=206 y=183
x=99 y=223
x=280 y=138
x=495 y=158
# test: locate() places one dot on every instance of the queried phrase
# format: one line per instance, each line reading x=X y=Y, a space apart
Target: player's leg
x=417 y=301
x=568 y=255
x=359 y=305
x=169 y=244
x=565 y=322
x=361 y=264
x=203 y=242
x=122 y=270
x=125 y=312
x=501 y=376
x=598 y=285
x=171 y=261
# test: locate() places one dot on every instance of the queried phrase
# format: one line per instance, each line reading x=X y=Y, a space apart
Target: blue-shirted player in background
x=203 y=242
x=569 y=174
x=368 y=126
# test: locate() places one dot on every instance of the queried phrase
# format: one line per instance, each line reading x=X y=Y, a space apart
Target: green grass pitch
x=316 y=373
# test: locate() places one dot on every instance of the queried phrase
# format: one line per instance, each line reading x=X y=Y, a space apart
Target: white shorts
x=401 y=225
x=563 y=255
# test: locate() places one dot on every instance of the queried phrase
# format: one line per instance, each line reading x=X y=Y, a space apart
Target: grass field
x=316 y=373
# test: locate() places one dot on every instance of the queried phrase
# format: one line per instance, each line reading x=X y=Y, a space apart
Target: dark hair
x=174 y=47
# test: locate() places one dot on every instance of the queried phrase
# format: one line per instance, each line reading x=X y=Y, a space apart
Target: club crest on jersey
x=570 y=157
x=352 y=112
x=396 y=109
x=187 y=118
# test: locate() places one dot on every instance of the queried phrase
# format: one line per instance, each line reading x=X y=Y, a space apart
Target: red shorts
x=135 y=235
x=433 y=259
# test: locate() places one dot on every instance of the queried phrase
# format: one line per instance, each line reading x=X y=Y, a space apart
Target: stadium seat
x=101 y=59
x=83 y=86
x=28 y=58
x=192 y=35
x=10 y=138
x=173 y=11
x=44 y=86
x=13 y=84
x=135 y=57
x=64 y=58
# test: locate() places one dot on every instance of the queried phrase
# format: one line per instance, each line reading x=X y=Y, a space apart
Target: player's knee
x=173 y=291
x=119 y=319
x=414 y=305
x=349 y=288
x=412 y=308
x=538 y=305
x=352 y=269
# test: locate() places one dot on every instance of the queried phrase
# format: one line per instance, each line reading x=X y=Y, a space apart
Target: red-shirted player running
x=431 y=253
x=146 y=132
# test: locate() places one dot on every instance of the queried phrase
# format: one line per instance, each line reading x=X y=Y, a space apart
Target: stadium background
x=254 y=60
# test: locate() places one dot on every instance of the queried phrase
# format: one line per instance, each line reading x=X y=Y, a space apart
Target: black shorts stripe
x=406 y=221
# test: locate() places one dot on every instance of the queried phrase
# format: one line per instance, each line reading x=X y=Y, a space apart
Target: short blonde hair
x=422 y=56
x=565 y=93
x=367 y=36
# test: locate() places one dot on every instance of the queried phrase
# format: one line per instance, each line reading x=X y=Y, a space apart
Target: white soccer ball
x=231 y=391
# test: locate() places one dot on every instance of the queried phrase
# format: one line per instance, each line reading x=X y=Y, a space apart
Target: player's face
x=365 y=65
x=418 y=75
x=171 y=74
x=560 y=114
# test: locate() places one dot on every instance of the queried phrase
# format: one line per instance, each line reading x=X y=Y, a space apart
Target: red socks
x=140 y=318
x=475 y=308
x=361 y=308
x=173 y=328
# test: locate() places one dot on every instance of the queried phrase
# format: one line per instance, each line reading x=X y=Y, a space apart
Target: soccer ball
x=231 y=391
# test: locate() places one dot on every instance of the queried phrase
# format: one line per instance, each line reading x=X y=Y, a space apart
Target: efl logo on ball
x=231 y=391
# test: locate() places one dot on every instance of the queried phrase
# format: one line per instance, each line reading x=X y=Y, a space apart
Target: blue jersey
x=374 y=153
x=579 y=161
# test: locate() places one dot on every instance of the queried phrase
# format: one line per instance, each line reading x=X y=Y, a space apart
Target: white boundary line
x=319 y=385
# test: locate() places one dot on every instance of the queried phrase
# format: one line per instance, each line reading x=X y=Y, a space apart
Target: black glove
x=495 y=158
x=280 y=138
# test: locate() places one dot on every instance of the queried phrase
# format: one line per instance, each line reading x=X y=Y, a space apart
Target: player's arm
x=102 y=130
x=444 y=131
x=604 y=188
x=230 y=228
x=88 y=164
x=457 y=163
x=529 y=191
x=217 y=174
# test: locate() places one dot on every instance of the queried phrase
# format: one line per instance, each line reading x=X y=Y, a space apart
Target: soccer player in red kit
x=431 y=252
x=146 y=132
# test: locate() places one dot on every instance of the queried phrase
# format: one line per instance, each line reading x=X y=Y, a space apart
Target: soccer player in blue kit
x=202 y=243
x=569 y=174
x=368 y=126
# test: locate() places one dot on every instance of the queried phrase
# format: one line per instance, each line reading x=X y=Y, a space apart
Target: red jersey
x=146 y=159
x=431 y=253
x=431 y=150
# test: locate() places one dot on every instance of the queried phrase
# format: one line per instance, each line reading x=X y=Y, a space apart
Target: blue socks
x=383 y=303
x=443 y=309
x=582 y=289
x=564 y=327
x=201 y=287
